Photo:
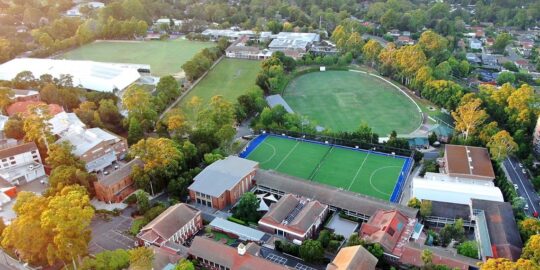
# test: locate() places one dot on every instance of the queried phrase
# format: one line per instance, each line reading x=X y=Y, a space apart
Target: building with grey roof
x=353 y=204
x=293 y=44
x=294 y=217
x=223 y=182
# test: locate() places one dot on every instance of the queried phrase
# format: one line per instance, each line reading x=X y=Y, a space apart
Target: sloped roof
x=228 y=256
x=85 y=139
x=382 y=227
x=222 y=175
x=169 y=222
x=503 y=231
x=469 y=161
x=353 y=258
x=23 y=106
x=242 y=232
x=63 y=121
x=285 y=208
x=328 y=195
x=17 y=149
x=121 y=173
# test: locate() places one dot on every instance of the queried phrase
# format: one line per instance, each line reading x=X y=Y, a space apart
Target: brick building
x=118 y=185
x=223 y=182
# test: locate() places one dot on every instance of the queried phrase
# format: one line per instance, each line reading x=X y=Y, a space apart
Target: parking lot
x=111 y=234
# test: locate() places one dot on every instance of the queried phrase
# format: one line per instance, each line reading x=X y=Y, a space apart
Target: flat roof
x=331 y=196
x=453 y=192
x=245 y=233
x=468 y=161
x=275 y=100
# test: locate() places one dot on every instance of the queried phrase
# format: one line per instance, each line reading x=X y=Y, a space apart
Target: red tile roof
x=386 y=228
x=228 y=256
x=22 y=107
x=412 y=255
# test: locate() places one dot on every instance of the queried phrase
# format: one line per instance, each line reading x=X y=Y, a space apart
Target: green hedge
x=235 y=220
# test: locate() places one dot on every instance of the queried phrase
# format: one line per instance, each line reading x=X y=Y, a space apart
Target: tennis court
x=370 y=173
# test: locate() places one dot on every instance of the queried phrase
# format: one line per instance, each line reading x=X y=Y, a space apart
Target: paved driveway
x=111 y=234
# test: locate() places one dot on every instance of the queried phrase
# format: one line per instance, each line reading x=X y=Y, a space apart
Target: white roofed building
x=97 y=147
x=293 y=44
x=96 y=76
x=457 y=192
x=61 y=123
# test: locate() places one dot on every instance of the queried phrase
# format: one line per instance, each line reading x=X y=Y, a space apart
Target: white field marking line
x=321 y=163
x=358 y=171
x=374 y=172
x=288 y=154
x=273 y=154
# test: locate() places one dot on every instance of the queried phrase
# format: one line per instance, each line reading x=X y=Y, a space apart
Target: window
x=391 y=231
x=4 y=160
x=13 y=162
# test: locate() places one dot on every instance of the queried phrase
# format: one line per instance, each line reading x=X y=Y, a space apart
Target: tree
x=506 y=264
x=531 y=250
x=138 y=103
x=36 y=127
x=354 y=240
x=184 y=265
x=65 y=175
x=210 y=158
x=324 y=238
x=376 y=250
x=109 y=115
x=469 y=249
x=61 y=154
x=141 y=258
x=247 y=208
x=427 y=257
x=14 y=128
x=501 y=145
x=311 y=251
x=157 y=153
x=5 y=98
x=469 y=116
x=529 y=227
x=371 y=51
x=107 y=260
x=501 y=41
x=425 y=208
x=414 y=203
x=135 y=131
x=143 y=202
x=87 y=113
x=68 y=216
x=177 y=123
x=506 y=77
x=168 y=87
x=432 y=43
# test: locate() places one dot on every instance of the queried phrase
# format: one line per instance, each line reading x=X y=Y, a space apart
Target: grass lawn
x=341 y=100
x=230 y=78
x=218 y=236
x=372 y=174
x=164 y=57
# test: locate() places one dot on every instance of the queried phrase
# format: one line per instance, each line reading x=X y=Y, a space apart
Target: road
x=9 y=263
x=525 y=187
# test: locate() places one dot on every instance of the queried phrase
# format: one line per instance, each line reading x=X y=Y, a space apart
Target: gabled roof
x=13 y=150
x=228 y=256
x=383 y=227
x=469 y=162
x=85 y=139
x=63 y=121
x=222 y=175
x=293 y=213
x=121 y=173
x=503 y=231
x=168 y=223
x=353 y=258
x=328 y=195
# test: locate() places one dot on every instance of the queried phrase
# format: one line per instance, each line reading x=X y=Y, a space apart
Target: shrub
x=333 y=245
x=235 y=220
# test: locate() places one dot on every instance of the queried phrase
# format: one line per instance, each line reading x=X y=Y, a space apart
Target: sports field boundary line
x=371 y=178
x=287 y=156
x=357 y=172
x=319 y=165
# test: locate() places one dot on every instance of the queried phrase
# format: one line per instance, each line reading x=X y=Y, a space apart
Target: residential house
x=7 y=191
x=22 y=107
x=118 y=185
x=216 y=256
x=20 y=162
x=496 y=230
x=223 y=182
x=475 y=44
x=24 y=95
x=172 y=228
x=353 y=258
x=97 y=147
x=522 y=63
x=473 y=59
x=490 y=60
x=294 y=217
x=405 y=40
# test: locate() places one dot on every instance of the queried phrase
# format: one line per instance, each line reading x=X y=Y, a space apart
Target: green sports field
x=371 y=174
x=230 y=78
x=342 y=100
x=164 y=57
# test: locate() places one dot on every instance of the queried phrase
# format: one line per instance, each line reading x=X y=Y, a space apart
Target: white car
x=520 y=165
x=516 y=187
x=524 y=171
x=526 y=207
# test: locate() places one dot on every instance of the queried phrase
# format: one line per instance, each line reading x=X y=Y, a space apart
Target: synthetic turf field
x=342 y=100
x=230 y=78
x=371 y=174
x=164 y=57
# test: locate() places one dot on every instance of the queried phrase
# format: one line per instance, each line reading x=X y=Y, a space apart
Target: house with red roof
x=294 y=217
x=22 y=107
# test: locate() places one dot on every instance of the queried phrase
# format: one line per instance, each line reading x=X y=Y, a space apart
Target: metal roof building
x=96 y=76
x=243 y=232
x=453 y=192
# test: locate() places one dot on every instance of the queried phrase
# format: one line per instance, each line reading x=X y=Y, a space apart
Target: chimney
x=241 y=249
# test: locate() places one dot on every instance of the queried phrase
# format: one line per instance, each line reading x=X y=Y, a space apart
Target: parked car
x=516 y=187
x=520 y=165
x=526 y=207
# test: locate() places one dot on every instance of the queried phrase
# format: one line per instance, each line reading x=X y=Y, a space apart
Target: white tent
x=263 y=206
x=271 y=198
x=101 y=77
